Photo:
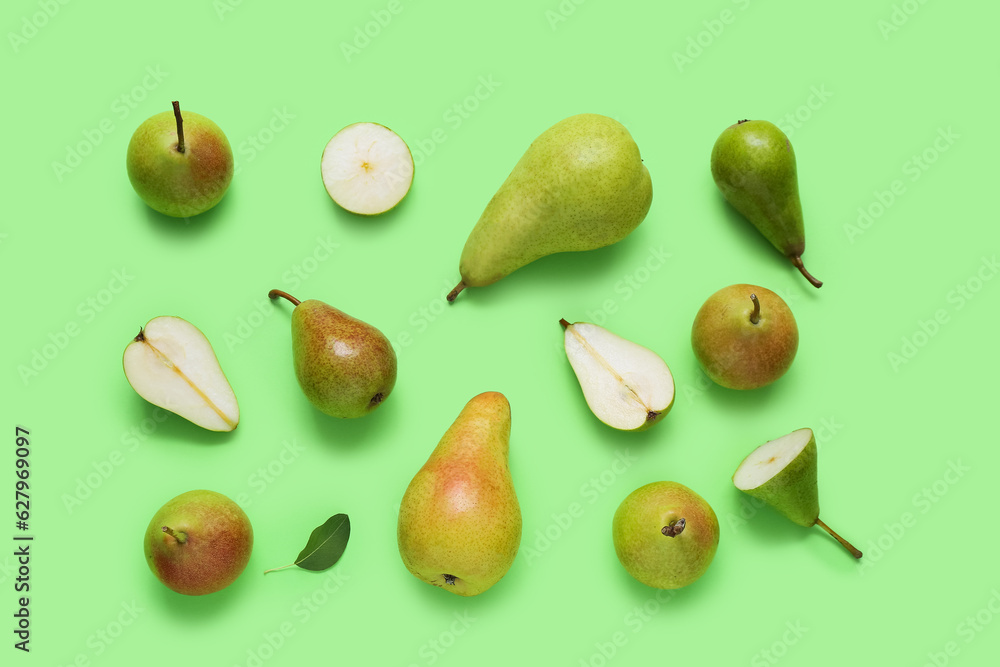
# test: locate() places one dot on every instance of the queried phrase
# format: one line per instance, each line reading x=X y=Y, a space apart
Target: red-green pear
x=198 y=543
x=459 y=521
x=179 y=163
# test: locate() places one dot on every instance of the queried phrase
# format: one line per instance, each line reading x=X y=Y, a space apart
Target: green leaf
x=325 y=546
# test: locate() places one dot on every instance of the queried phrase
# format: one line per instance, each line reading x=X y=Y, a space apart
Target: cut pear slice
x=171 y=364
x=782 y=473
x=627 y=386
x=367 y=169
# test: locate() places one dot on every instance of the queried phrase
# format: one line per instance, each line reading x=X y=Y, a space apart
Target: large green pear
x=180 y=164
x=581 y=185
x=346 y=367
x=459 y=521
x=198 y=542
x=665 y=535
x=782 y=473
x=753 y=164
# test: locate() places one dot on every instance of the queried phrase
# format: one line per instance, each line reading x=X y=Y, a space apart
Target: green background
x=860 y=103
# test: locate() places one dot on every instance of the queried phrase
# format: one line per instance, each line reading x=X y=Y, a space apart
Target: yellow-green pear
x=665 y=535
x=581 y=185
x=459 y=521
x=782 y=473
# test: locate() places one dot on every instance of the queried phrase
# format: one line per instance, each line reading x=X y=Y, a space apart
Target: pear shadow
x=749 y=234
x=166 y=424
x=196 y=609
x=357 y=433
x=740 y=227
x=558 y=268
x=370 y=223
x=671 y=600
x=768 y=525
x=197 y=225
x=743 y=400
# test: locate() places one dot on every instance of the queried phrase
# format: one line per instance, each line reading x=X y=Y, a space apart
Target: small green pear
x=744 y=337
x=581 y=185
x=180 y=165
x=665 y=535
x=459 y=521
x=782 y=473
x=198 y=542
x=346 y=367
x=753 y=164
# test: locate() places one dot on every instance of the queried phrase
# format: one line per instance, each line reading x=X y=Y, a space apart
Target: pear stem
x=674 y=528
x=180 y=126
x=564 y=323
x=275 y=293
x=797 y=262
x=181 y=537
x=847 y=545
x=755 y=315
x=458 y=288
x=283 y=567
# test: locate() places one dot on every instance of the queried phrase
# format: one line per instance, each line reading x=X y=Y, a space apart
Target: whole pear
x=180 y=165
x=753 y=164
x=459 y=521
x=581 y=185
x=665 y=535
x=744 y=337
x=346 y=367
x=198 y=542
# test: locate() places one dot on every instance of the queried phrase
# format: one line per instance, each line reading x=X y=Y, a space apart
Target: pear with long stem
x=753 y=165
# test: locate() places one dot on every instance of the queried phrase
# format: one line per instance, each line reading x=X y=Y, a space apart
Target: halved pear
x=367 y=169
x=782 y=473
x=171 y=364
x=627 y=386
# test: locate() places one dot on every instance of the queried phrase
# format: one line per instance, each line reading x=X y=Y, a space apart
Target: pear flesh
x=581 y=185
x=459 y=520
x=782 y=473
x=753 y=165
x=627 y=386
x=171 y=364
x=367 y=168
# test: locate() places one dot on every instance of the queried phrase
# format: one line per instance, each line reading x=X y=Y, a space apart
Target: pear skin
x=179 y=164
x=782 y=473
x=794 y=491
x=753 y=165
x=665 y=535
x=459 y=520
x=198 y=542
x=345 y=367
x=581 y=185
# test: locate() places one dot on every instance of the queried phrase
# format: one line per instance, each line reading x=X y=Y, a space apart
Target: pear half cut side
x=627 y=386
x=782 y=473
x=171 y=364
